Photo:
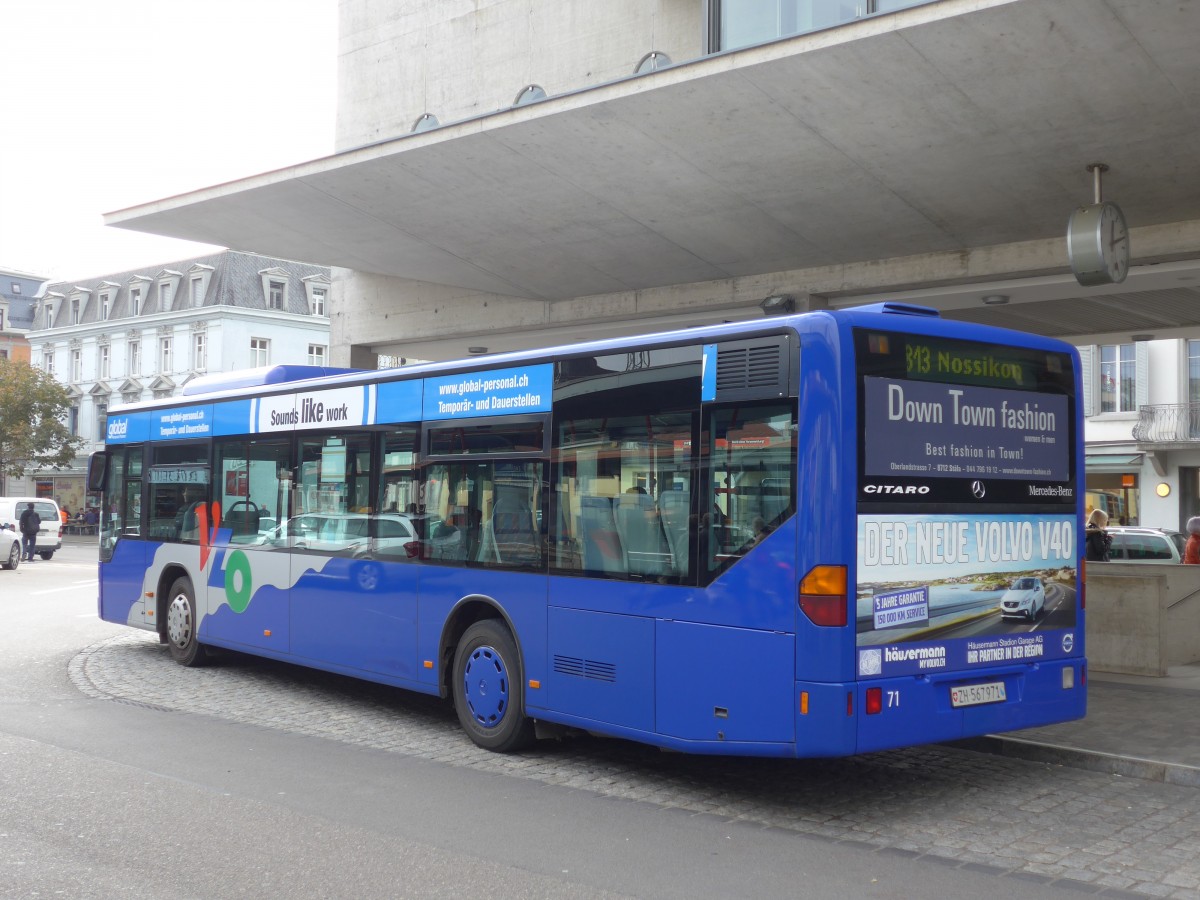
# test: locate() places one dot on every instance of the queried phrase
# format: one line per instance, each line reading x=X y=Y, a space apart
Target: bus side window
x=252 y=489
x=179 y=488
x=751 y=478
x=622 y=494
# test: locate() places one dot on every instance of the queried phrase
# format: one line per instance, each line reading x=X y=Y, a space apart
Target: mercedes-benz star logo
x=978 y=490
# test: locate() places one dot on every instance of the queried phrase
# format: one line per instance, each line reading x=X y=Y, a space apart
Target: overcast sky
x=108 y=104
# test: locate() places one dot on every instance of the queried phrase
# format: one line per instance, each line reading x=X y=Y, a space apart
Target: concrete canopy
x=940 y=129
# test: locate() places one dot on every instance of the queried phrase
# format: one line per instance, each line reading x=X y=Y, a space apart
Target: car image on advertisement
x=1025 y=599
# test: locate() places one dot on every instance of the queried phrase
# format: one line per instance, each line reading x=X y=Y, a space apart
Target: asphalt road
x=126 y=776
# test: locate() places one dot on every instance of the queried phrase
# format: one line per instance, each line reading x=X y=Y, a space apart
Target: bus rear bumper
x=922 y=709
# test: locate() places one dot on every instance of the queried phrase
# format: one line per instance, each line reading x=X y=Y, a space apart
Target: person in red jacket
x=1191 y=552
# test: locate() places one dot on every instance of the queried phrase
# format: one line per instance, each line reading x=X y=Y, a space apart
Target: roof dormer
x=198 y=277
x=166 y=289
x=139 y=294
x=316 y=289
x=275 y=287
x=106 y=295
x=52 y=302
x=77 y=307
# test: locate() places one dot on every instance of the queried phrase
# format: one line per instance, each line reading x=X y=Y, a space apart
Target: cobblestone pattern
x=1101 y=834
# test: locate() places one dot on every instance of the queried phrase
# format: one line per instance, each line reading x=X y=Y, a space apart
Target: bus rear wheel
x=488 y=695
x=183 y=625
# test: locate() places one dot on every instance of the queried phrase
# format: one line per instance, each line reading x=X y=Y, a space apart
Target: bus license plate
x=975 y=694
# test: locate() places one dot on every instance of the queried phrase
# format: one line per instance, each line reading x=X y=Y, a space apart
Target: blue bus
x=811 y=535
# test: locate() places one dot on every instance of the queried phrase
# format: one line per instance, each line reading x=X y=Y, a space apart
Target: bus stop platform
x=1136 y=726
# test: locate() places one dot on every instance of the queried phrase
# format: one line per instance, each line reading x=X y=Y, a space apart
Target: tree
x=32 y=432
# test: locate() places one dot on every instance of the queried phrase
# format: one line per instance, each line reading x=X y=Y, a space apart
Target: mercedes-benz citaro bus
x=786 y=537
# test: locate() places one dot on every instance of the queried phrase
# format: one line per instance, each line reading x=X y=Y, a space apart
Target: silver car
x=10 y=546
x=1136 y=543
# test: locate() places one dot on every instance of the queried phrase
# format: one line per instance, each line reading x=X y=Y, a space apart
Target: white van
x=49 y=535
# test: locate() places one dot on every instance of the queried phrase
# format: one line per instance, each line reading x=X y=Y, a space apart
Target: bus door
x=353 y=597
x=122 y=546
x=249 y=571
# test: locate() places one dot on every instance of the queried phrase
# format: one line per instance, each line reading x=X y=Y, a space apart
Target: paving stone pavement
x=1100 y=833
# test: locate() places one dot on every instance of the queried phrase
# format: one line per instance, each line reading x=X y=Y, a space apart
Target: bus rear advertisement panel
x=932 y=591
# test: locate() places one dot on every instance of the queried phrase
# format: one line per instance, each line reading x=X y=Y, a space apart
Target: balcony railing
x=1168 y=423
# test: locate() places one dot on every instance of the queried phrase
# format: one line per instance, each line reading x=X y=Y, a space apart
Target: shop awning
x=1112 y=462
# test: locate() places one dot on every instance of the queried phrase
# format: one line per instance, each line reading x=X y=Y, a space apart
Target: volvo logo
x=978 y=490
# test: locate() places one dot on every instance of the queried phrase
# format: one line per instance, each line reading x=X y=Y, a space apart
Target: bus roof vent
x=903 y=309
x=758 y=368
x=263 y=376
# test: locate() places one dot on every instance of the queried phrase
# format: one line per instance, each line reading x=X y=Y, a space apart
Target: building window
x=76 y=365
x=1118 y=378
x=74 y=310
x=259 y=351
x=1193 y=362
x=101 y=420
x=164 y=296
x=16 y=287
x=135 y=301
x=135 y=358
x=105 y=305
x=275 y=295
x=1 y=319
x=105 y=366
x=318 y=301
x=73 y=419
x=48 y=360
x=740 y=23
x=164 y=355
x=200 y=352
x=316 y=354
x=197 y=291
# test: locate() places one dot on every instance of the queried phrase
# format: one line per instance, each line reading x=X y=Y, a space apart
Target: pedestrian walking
x=1191 y=550
x=1097 y=540
x=30 y=524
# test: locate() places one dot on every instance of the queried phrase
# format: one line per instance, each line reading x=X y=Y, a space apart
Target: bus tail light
x=823 y=595
x=874 y=701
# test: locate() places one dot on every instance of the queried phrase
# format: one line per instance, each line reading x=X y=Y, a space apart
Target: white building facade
x=145 y=334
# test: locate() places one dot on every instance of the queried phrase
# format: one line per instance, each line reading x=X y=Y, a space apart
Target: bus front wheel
x=487 y=688
x=183 y=625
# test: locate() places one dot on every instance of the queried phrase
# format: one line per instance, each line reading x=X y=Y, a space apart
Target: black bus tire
x=488 y=688
x=183 y=625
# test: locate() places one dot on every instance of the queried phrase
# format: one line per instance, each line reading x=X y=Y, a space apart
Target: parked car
x=1132 y=543
x=49 y=537
x=1025 y=599
x=10 y=546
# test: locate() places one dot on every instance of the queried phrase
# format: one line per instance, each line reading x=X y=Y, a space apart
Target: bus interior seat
x=511 y=534
x=602 y=550
x=674 y=506
x=242 y=518
x=641 y=532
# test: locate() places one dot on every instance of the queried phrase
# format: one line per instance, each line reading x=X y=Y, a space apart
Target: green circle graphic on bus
x=238 y=585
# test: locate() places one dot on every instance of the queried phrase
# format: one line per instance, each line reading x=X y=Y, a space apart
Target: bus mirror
x=97 y=471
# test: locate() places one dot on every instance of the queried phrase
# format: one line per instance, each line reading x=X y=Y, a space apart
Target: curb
x=1091 y=760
